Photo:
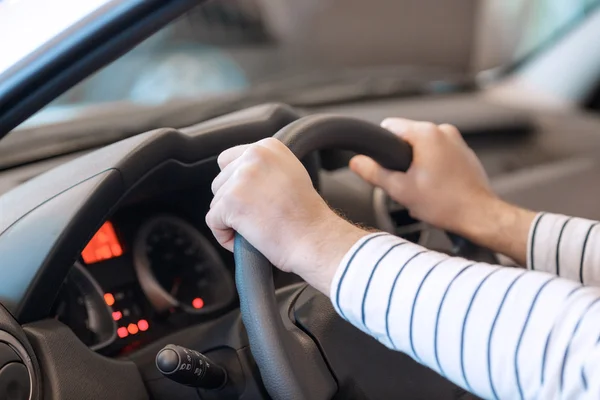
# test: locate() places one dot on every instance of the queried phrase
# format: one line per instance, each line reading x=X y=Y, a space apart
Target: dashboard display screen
x=103 y=246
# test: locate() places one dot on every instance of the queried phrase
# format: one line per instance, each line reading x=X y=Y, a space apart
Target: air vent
x=395 y=218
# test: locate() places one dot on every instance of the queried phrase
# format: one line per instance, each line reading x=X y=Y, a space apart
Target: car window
x=231 y=46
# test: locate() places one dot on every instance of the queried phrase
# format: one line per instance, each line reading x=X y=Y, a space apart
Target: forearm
x=317 y=258
x=498 y=226
x=494 y=331
x=565 y=246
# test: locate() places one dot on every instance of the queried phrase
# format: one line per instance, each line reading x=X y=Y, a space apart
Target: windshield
x=28 y=25
x=229 y=46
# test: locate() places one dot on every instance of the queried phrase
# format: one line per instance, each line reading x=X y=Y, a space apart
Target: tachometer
x=178 y=267
x=80 y=305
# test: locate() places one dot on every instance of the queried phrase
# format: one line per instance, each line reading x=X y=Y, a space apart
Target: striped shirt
x=499 y=332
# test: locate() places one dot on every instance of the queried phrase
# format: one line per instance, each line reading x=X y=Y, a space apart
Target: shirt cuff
x=533 y=234
x=562 y=245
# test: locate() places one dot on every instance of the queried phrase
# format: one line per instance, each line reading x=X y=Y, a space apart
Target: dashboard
x=125 y=225
x=151 y=269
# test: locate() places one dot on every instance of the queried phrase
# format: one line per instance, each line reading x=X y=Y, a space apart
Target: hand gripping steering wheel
x=290 y=363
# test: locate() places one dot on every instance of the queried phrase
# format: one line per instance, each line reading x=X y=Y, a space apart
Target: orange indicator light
x=132 y=329
x=103 y=246
x=109 y=299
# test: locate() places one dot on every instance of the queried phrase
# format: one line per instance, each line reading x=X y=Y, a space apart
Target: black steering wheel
x=48 y=220
x=290 y=363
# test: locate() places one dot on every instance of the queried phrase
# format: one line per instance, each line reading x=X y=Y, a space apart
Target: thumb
x=393 y=182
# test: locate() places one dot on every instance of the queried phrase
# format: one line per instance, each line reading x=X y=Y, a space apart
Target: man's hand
x=445 y=182
x=264 y=193
x=446 y=186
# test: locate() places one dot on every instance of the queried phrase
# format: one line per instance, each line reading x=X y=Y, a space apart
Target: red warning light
x=122 y=332
x=197 y=303
x=117 y=315
x=143 y=325
x=109 y=299
x=132 y=329
x=103 y=246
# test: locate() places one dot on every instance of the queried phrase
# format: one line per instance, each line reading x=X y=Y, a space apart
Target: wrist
x=479 y=214
x=318 y=255
x=499 y=226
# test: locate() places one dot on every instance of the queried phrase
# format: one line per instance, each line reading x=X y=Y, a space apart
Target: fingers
x=415 y=131
x=408 y=130
x=231 y=154
x=224 y=175
x=399 y=126
x=239 y=165
x=372 y=172
x=230 y=159
x=219 y=228
x=223 y=210
x=451 y=131
x=402 y=125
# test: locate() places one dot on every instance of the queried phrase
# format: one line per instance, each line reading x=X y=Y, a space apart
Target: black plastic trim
x=47 y=221
x=71 y=371
x=12 y=334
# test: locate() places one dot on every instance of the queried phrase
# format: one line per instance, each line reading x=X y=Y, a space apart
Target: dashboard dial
x=178 y=267
x=80 y=305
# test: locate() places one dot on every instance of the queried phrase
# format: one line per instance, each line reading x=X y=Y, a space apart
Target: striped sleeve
x=498 y=332
x=565 y=246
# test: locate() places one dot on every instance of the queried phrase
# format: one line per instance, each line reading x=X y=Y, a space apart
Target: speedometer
x=80 y=305
x=178 y=267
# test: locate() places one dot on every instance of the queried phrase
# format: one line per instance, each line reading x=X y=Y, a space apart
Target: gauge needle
x=175 y=288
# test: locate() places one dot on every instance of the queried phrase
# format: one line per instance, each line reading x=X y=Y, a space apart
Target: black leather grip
x=321 y=131
x=290 y=364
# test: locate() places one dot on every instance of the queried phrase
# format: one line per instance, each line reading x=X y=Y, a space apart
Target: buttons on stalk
x=190 y=368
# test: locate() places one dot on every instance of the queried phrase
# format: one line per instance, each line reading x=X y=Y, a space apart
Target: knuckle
x=429 y=127
x=215 y=184
x=209 y=218
x=236 y=198
x=428 y=131
x=229 y=202
x=269 y=142
x=257 y=152
x=221 y=159
x=273 y=145
x=449 y=129
x=248 y=171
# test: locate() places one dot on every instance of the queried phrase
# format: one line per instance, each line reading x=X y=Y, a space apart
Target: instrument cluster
x=138 y=281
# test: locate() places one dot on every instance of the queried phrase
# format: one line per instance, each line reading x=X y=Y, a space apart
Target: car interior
x=108 y=268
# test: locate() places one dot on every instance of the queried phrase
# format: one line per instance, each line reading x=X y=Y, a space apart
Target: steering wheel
x=294 y=368
x=47 y=221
